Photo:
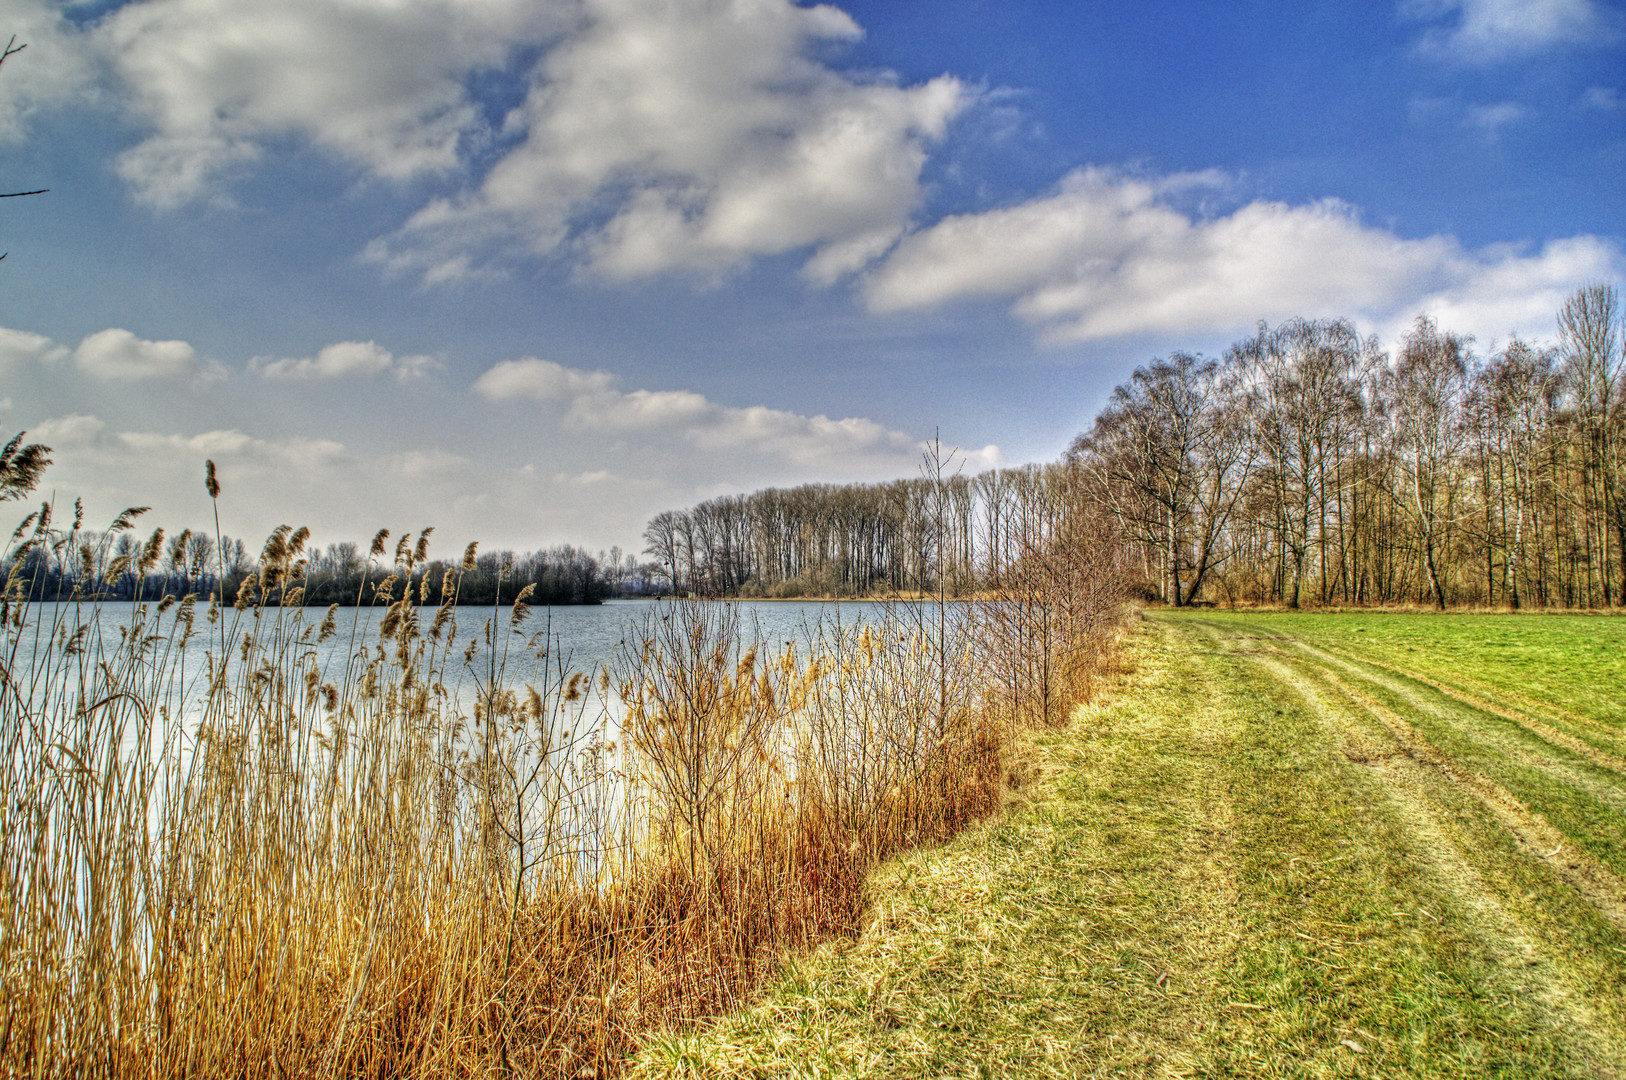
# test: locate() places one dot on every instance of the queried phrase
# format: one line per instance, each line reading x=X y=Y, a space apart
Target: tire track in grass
x=1556 y=737
x=1595 y=821
x=1404 y=771
x=1607 y=733
x=1513 y=741
x=1535 y=833
x=1339 y=970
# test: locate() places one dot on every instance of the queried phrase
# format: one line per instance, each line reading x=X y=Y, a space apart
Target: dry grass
x=439 y=853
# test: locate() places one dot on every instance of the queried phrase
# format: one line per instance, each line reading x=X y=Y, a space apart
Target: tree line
x=118 y=564
x=1307 y=464
x=943 y=531
x=819 y=539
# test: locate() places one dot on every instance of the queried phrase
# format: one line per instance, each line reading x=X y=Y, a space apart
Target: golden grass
x=439 y=853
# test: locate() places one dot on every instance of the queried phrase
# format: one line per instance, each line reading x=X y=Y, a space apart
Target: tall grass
x=442 y=852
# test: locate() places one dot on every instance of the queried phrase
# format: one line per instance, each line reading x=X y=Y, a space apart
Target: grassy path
x=1281 y=847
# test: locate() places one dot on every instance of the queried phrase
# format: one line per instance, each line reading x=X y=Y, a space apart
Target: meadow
x=1281 y=844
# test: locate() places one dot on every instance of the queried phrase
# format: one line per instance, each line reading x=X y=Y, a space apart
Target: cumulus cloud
x=542 y=380
x=266 y=481
x=89 y=438
x=1504 y=290
x=380 y=83
x=1491 y=119
x=52 y=66
x=1481 y=31
x=75 y=429
x=113 y=355
x=121 y=356
x=1107 y=255
x=346 y=358
x=604 y=460
x=19 y=349
x=688 y=135
x=654 y=136
x=592 y=401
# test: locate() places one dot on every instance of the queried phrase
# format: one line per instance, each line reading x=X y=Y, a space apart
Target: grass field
x=1280 y=845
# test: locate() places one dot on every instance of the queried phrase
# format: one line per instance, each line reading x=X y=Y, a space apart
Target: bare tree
x=1143 y=453
x=1300 y=383
x=1427 y=396
x=1591 y=354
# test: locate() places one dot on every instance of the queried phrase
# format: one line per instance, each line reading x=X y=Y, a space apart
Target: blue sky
x=530 y=271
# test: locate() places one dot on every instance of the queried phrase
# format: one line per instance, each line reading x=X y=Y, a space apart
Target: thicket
x=246 y=839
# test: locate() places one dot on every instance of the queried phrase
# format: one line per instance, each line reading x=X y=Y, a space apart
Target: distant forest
x=120 y=565
x=1307 y=465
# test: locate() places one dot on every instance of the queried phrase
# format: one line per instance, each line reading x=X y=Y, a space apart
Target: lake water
x=587 y=639
x=41 y=713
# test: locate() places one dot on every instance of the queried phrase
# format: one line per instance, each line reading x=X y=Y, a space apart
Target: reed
x=439 y=851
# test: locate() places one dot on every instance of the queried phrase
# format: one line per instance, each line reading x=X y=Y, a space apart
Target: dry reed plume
x=240 y=841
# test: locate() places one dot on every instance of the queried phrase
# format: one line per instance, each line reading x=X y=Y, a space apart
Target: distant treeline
x=121 y=565
x=941 y=531
x=819 y=539
x=1306 y=465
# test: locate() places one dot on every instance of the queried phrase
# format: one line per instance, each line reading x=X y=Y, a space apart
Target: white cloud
x=1106 y=256
x=690 y=135
x=77 y=429
x=1491 y=119
x=541 y=380
x=605 y=459
x=378 y=82
x=120 y=355
x=1486 y=120
x=51 y=67
x=656 y=135
x=1602 y=98
x=1503 y=290
x=586 y=479
x=346 y=358
x=593 y=402
x=419 y=466
x=265 y=481
x=18 y=348
x=1481 y=31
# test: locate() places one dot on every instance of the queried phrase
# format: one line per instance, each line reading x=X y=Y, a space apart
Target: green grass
x=1230 y=867
x=1570 y=666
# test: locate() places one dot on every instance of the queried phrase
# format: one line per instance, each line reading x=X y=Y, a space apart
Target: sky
x=531 y=271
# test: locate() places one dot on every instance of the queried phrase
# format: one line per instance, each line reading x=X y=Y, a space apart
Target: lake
x=587 y=639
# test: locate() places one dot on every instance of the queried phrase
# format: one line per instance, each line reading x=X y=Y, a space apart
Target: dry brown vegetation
x=232 y=848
